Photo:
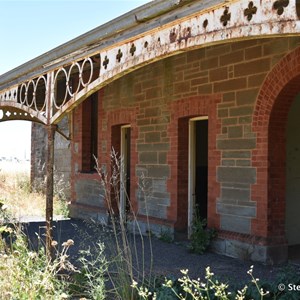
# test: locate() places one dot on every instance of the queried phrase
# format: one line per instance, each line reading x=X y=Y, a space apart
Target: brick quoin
x=269 y=122
x=177 y=158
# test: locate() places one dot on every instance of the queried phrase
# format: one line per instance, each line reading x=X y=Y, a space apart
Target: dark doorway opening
x=192 y=183
x=125 y=169
x=201 y=163
x=292 y=203
x=120 y=193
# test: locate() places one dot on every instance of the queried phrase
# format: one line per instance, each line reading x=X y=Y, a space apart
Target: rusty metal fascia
x=15 y=111
x=265 y=23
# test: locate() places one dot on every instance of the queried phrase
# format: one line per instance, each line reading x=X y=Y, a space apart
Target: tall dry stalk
x=127 y=266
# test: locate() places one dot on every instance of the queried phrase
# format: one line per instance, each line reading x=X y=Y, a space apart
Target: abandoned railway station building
x=199 y=99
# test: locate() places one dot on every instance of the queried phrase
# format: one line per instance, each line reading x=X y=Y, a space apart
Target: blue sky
x=31 y=28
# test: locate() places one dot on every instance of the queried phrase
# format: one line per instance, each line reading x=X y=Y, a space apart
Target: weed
x=61 y=191
x=186 y=288
x=201 y=236
x=166 y=236
x=90 y=281
x=23 y=182
x=21 y=200
x=61 y=207
x=5 y=215
x=28 y=274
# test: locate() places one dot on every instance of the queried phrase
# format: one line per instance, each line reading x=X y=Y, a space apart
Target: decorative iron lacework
x=73 y=82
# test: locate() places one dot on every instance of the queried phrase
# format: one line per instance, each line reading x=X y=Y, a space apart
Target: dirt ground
x=166 y=259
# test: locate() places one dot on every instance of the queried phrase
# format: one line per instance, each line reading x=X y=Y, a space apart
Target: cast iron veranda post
x=49 y=176
x=49 y=189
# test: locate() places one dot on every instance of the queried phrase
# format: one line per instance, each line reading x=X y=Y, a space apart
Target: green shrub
x=166 y=236
x=201 y=236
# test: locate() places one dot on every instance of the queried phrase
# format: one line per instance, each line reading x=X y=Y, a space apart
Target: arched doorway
x=292 y=210
x=271 y=122
x=282 y=137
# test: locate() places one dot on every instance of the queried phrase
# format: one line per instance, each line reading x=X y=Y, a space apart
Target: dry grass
x=16 y=194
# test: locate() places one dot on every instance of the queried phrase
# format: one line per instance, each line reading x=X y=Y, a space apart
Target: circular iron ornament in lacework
x=87 y=62
x=72 y=88
x=40 y=98
x=63 y=76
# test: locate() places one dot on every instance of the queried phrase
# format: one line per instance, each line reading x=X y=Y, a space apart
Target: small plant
x=90 y=281
x=166 y=236
x=61 y=207
x=5 y=215
x=161 y=291
x=201 y=236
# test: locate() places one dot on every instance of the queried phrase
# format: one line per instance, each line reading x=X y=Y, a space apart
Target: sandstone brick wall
x=62 y=157
x=38 y=153
x=221 y=82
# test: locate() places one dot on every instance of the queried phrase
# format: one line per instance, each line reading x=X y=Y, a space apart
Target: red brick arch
x=273 y=102
x=205 y=105
x=110 y=132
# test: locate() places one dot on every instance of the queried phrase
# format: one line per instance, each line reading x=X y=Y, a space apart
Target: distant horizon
x=26 y=157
